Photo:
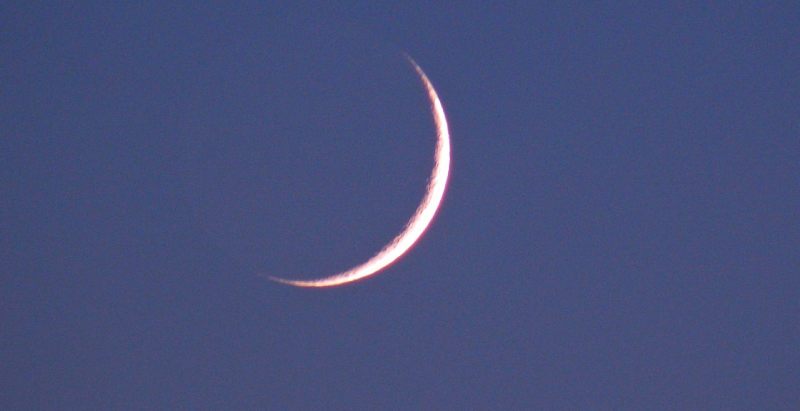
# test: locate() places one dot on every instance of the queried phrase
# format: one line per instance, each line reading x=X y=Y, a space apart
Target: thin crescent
x=421 y=219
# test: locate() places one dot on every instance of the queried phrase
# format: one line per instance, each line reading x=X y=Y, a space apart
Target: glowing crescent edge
x=421 y=219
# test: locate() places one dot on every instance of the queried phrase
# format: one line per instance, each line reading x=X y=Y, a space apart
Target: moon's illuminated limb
x=421 y=219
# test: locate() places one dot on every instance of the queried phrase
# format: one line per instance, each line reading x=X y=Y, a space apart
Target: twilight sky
x=620 y=230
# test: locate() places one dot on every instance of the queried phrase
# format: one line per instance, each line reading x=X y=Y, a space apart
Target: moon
x=421 y=219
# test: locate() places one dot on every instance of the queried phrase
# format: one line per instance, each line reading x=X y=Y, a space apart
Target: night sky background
x=620 y=230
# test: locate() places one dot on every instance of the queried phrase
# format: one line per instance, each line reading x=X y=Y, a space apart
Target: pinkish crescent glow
x=418 y=223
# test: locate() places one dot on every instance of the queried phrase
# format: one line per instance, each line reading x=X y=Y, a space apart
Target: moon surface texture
x=421 y=219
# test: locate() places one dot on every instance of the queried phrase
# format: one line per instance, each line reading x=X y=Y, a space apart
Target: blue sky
x=619 y=232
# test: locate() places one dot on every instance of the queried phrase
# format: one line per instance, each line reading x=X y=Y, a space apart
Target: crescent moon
x=421 y=219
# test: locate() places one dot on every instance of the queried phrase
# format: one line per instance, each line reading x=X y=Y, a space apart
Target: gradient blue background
x=620 y=232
